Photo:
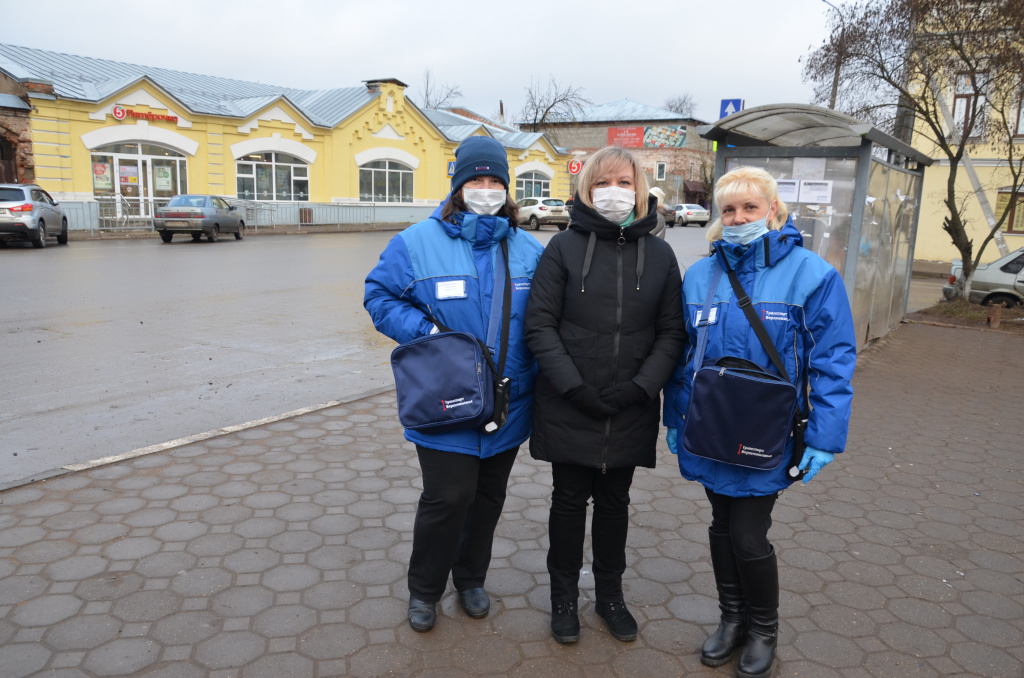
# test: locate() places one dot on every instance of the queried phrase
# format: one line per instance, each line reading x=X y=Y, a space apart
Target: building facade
x=671 y=153
x=96 y=130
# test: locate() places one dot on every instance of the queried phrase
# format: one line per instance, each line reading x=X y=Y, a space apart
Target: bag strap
x=762 y=334
x=506 y=314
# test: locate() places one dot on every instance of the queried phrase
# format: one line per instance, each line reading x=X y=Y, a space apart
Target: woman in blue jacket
x=803 y=305
x=447 y=266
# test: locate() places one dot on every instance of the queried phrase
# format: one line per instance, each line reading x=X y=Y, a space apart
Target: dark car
x=198 y=215
x=28 y=213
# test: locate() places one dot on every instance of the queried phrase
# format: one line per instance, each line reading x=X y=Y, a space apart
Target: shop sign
x=575 y=166
x=654 y=136
x=102 y=176
x=120 y=113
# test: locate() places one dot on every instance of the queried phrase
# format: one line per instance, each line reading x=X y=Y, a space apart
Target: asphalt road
x=110 y=346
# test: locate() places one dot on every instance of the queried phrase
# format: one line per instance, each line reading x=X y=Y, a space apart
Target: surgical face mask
x=614 y=203
x=745 y=233
x=484 y=200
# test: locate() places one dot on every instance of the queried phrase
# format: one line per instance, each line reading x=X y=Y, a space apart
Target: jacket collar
x=586 y=220
x=766 y=251
x=479 y=229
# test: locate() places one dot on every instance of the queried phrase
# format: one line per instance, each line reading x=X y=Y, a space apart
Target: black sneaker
x=620 y=622
x=565 y=622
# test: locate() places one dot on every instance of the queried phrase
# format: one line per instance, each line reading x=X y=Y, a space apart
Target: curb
x=188 y=440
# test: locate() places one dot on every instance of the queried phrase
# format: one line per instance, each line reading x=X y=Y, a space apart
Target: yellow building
x=933 y=243
x=108 y=131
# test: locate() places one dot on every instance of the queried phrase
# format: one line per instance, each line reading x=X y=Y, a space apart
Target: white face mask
x=614 y=203
x=484 y=200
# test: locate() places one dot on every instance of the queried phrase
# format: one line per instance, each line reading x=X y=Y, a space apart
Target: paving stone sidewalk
x=281 y=550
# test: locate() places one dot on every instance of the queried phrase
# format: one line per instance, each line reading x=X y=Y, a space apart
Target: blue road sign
x=730 y=106
x=451 y=167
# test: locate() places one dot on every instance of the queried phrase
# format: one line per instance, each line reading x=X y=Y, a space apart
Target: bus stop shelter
x=853 y=190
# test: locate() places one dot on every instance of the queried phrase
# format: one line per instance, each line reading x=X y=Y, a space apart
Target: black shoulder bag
x=739 y=412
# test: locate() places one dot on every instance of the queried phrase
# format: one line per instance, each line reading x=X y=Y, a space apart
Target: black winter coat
x=605 y=307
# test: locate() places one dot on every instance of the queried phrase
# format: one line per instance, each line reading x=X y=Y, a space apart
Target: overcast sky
x=644 y=51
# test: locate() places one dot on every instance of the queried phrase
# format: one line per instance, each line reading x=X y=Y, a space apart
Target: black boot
x=760 y=580
x=732 y=629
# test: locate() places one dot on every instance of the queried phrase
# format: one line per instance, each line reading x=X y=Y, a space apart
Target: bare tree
x=438 y=94
x=551 y=103
x=902 y=62
x=683 y=104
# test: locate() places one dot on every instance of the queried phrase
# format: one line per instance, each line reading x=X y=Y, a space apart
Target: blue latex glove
x=672 y=439
x=814 y=460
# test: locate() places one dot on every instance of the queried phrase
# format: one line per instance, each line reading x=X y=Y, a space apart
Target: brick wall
x=15 y=131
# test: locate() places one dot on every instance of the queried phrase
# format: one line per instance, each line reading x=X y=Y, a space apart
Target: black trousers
x=459 y=508
x=745 y=520
x=573 y=487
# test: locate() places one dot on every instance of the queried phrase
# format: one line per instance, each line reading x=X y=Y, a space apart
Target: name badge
x=451 y=289
x=712 y=316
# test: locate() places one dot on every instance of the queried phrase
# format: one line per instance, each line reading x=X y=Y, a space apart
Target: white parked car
x=539 y=211
x=998 y=282
x=691 y=214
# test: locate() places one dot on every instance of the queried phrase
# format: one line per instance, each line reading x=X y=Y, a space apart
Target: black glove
x=621 y=396
x=587 y=399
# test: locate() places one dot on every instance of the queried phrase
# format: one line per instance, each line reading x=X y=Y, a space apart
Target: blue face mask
x=746 y=233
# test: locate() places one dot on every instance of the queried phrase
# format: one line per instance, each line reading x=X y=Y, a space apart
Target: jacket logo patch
x=753 y=451
x=485 y=167
x=454 y=402
x=521 y=286
x=774 y=315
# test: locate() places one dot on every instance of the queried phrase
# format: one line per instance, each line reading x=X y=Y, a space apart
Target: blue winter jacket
x=414 y=268
x=802 y=303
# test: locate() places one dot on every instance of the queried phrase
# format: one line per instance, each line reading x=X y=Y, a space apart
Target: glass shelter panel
x=905 y=217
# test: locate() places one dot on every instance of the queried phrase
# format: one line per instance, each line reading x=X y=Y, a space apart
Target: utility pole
x=841 y=48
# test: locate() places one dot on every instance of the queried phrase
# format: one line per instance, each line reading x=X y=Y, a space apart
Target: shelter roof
x=800 y=126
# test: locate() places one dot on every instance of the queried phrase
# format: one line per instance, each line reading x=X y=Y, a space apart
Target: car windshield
x=11 y=194
x=694 y=207
x=187 y=201
x=553 y=202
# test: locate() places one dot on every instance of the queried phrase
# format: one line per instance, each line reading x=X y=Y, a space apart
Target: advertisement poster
x=658 y=136
x=162 y=178
x=102 y=176
x=789 y=190
x=626 y=137
x=816 y=191
x=129 y=174
x=668 y=136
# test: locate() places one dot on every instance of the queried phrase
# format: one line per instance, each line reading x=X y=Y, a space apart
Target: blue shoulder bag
x=739 y=412
x=448 y=381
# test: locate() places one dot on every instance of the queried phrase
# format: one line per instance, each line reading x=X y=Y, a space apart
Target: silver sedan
x=198 y=215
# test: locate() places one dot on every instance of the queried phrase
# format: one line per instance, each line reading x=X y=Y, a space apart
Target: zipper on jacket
x=618 y=335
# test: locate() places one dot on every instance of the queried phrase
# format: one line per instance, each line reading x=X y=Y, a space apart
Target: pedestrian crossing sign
x=451 y=167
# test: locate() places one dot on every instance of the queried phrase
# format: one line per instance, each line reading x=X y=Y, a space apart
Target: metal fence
x=117 y=213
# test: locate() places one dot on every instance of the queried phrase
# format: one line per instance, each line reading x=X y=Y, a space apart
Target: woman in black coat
x=605 y=323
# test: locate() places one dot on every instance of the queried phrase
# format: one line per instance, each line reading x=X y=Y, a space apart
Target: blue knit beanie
x=479 y=157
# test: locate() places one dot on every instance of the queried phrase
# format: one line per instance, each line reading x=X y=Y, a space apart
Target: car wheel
x=39 y=241
x=562 y=227
x=1007 y=300
x=62 y=239
x=196 y=237
x=534 y=224
x=166 y=236
x=213 y=234
x=703 y=224
x=240 y=233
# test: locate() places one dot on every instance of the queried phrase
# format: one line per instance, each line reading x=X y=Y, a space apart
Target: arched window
x=385 y=181
x=532 y=185
x=271 y=176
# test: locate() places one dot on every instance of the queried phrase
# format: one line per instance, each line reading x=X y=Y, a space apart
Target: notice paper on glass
x=816 y=191
x=789 y=190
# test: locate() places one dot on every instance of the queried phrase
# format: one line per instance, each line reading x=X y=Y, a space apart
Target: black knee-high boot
x=760 y=580
x=732 y=629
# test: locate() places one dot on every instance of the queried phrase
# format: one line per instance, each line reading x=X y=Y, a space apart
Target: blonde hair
x=604 y=161
x=742 y=182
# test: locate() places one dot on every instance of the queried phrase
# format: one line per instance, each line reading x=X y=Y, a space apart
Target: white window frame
x=660 y=171
x=536 y=181
x=245 y=168
x=393 y=170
